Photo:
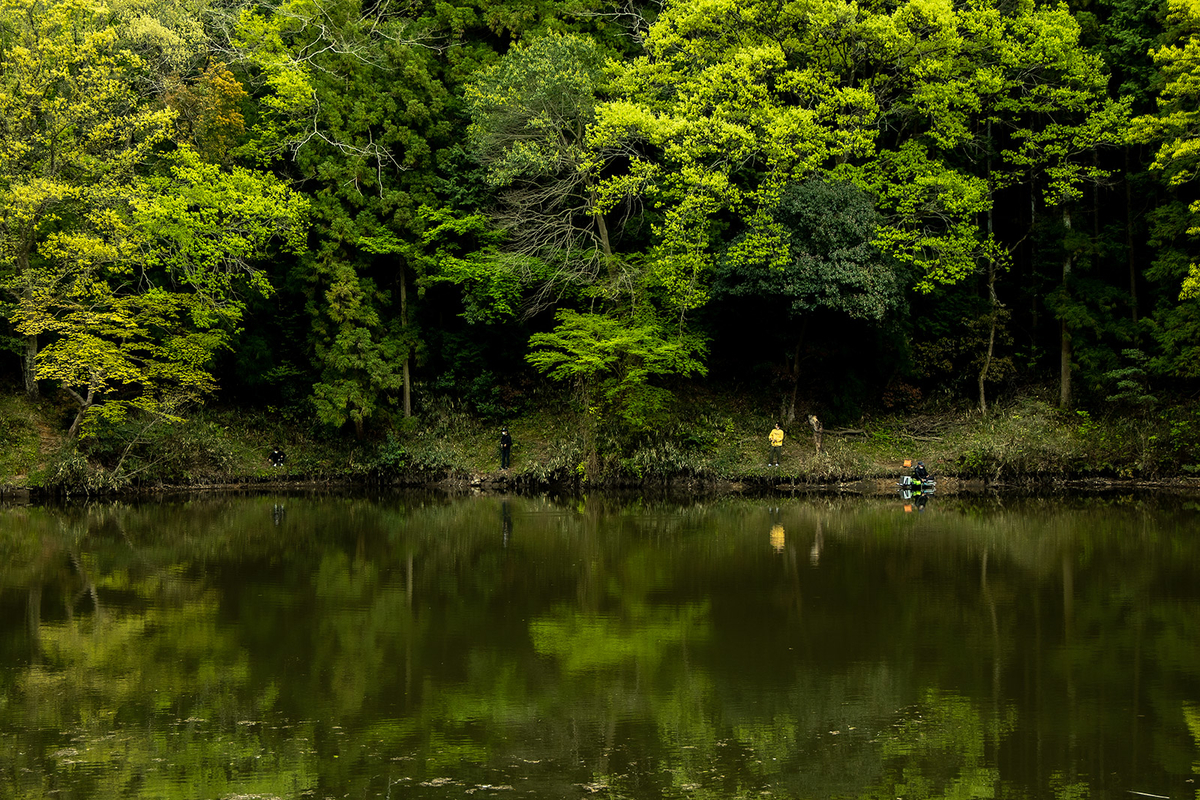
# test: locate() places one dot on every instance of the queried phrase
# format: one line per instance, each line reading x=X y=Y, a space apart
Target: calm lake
x=421 y=646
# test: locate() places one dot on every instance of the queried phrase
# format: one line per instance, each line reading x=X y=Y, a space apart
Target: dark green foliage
x=828 y=259
x=1130 y=382
x=1174 y=323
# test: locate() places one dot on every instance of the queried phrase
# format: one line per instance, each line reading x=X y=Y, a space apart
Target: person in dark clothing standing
x=505 y=448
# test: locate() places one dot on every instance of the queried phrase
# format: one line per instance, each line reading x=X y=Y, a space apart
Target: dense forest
x=353 y=210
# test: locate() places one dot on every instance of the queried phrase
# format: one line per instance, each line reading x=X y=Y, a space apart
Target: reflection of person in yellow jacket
x=776 y=439
x=777 y=538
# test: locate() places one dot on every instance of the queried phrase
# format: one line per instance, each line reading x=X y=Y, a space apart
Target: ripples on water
x=420 y=646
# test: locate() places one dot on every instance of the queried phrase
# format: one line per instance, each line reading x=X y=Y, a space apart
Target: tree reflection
x=132 y=687
x=216 y=648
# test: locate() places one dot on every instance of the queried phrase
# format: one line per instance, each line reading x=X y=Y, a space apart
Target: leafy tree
x=137 y=312
x=1175 y=128
x=931 y=108
x=613 y=362
x=132 y=264
x=530 y=112
x=1174 y=323
x=826 y=256
x=73 y=131
x=532 y=116
x=1057 y=115
x=354 y=96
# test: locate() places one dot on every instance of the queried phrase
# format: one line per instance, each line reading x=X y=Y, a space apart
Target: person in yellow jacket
x=776 y=439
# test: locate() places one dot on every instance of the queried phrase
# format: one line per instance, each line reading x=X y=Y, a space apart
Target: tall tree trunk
x=992 y=302
x=29 y=367
x=1064 y=354
x=791 y=414
x=407 y=349
x=601 y=231
x=1129 y=254
x=29 y=357
x=993 y=305
x=605 y=245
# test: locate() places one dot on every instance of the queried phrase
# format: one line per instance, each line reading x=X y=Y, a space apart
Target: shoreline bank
x=492 y=484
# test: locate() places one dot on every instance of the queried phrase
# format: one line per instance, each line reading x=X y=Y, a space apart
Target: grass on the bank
x=20 y=439
x=712 y=437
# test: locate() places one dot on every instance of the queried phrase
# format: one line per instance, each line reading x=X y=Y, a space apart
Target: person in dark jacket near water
x=505 y=448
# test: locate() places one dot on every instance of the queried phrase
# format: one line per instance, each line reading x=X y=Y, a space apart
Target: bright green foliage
x=1053 y=103
x=723 y=113
x=1176 y=126
x=168 y=35
x=114 y=353
x=129 y=264
x=827 y=153
x=72 y=132
x=927 y=107
x=122 y=338
x=1178 y=121
x=206 y=227
x=464 y=251
x=929 y=212
x=1174 y=323
x=532 y=114
x=613 y=362
x=736 y=101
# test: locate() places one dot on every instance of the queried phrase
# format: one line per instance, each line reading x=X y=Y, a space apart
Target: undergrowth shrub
x=67 y=472
x=415 y=456
x=558 y=463
x=663 y=460
x=153 y=452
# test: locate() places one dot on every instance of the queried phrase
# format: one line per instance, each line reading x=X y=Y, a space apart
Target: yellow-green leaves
x=1176 y=126
x=207 y=226
x=115 y=351
x=614 y=362
x=736 y=101
x=125 y=262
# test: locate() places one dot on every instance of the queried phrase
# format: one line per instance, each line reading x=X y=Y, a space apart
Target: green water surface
x=421 y=646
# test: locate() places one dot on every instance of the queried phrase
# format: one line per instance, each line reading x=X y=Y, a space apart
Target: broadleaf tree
x=569 y=238
x=138 y=306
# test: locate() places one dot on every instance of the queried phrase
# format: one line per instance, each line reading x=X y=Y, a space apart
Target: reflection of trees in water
x=134 y=688
x=653 y=648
